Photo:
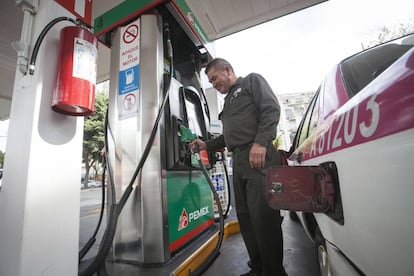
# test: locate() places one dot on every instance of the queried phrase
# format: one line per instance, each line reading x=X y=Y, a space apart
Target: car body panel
x=368 y=115
x=342 y=264
x=370 y=138
x=377 y=234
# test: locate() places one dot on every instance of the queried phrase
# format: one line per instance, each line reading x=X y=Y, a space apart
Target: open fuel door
x=301 y=188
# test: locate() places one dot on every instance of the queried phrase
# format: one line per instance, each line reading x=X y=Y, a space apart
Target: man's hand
x=201 y=145
x=257 y=156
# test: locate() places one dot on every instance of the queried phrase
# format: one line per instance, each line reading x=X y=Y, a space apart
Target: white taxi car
x=360 y=128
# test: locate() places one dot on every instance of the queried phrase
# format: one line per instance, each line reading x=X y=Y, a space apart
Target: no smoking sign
x=130 y=33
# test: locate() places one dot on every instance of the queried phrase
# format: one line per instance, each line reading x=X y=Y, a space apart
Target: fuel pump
x=161 y=199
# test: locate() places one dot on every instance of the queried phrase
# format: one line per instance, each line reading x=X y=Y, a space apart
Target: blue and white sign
x=128 y=85
x=128 y=80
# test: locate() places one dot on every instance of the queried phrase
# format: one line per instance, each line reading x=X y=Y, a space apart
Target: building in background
x=293 y=107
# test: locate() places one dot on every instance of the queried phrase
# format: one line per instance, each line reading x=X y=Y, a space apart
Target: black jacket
x=250 y=114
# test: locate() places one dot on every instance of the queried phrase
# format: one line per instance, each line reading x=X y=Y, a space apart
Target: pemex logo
x=183 y=221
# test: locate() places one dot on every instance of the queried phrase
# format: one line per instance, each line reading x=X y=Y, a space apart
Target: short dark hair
x=218 y=64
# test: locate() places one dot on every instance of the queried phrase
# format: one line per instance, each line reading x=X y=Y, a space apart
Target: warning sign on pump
x=128 y=85
x=128 y=92
x=128 y=80
x=129 y=46
x=130 y=33
x=129 y=102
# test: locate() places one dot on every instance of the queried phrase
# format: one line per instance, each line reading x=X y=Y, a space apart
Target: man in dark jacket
x=250 y=116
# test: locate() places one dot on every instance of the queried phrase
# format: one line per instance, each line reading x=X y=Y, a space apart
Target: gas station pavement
x=299 y=253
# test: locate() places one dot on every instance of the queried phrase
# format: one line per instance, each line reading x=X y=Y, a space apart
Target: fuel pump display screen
x=193 y=123
x=194 y=112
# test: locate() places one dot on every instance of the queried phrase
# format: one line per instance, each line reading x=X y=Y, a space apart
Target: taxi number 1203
x=350 y=128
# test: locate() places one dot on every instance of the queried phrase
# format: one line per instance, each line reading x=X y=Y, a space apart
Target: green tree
x=387 y=33
x=1 y=159
x=93 y=135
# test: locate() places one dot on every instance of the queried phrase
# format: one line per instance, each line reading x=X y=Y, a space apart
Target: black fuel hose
x=89 y=267
x=92 y=239
x=213 y=255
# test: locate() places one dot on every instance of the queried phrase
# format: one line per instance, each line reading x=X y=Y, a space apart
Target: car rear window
x=360 y=69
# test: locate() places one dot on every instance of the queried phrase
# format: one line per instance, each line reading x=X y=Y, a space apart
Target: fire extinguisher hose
x=42 y=36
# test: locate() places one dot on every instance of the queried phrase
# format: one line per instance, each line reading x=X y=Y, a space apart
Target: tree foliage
x=387 y=33
x=1 y=159
x=93 y=134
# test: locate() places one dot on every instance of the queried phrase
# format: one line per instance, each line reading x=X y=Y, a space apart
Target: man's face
x=220 y=79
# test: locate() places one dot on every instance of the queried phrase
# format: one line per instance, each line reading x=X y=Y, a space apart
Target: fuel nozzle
x=186 y=135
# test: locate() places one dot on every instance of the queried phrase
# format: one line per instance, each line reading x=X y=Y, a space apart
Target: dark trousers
x=260 y=225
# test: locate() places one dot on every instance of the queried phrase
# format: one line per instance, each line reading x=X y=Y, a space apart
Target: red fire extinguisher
x=74 y=92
